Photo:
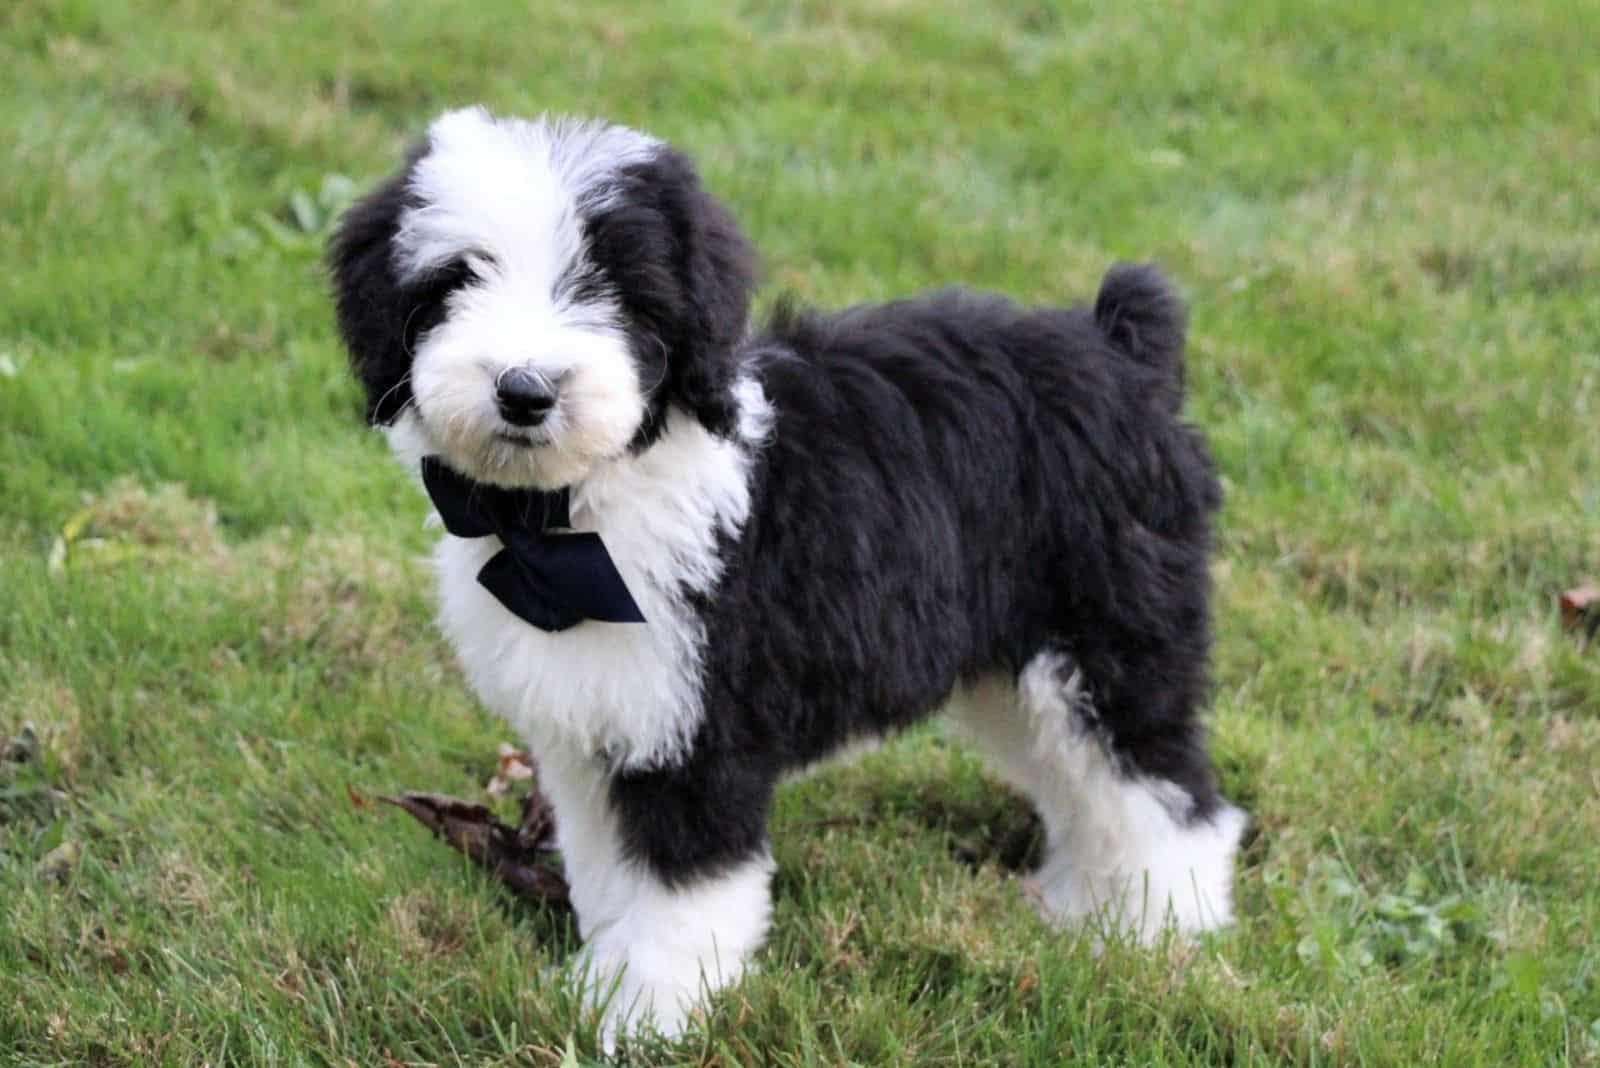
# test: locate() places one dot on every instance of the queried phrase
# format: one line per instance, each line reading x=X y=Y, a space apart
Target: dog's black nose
x=525 y=397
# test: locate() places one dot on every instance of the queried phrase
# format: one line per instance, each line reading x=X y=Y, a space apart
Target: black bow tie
x=553 y=580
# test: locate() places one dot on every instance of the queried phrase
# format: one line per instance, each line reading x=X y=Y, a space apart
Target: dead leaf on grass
x=523 y=857
x=1580 y=610
x=515 y=766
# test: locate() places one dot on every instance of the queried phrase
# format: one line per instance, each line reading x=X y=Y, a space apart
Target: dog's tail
x=1142 y=315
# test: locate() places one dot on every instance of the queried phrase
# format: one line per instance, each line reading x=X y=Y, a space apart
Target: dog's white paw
x=639 y=996
x=1181 y=879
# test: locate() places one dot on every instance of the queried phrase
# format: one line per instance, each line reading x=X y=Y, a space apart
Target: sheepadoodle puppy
x=684 y=558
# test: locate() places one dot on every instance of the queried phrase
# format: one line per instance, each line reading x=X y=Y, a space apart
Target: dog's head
x=527 y=298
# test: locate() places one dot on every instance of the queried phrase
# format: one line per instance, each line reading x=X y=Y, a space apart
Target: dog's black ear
x=684 y=273
x=719 y=271
x=370 y=302
x=380 y=317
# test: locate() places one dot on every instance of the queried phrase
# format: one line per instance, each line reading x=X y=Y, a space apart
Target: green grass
x=1385 y=214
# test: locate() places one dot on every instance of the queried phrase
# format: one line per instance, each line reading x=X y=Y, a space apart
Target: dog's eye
x=430 y=293
x=462 y=270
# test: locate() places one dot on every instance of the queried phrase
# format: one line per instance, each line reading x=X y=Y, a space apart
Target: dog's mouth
x=521 y=439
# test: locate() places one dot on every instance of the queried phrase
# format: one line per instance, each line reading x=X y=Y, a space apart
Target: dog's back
x=1008 y=479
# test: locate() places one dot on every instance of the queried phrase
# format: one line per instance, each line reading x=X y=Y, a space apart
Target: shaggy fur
x=835 y=527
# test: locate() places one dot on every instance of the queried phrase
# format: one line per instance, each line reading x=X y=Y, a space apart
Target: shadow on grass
x=992 y=825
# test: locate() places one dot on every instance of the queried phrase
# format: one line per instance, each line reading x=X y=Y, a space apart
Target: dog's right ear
x=374 y=307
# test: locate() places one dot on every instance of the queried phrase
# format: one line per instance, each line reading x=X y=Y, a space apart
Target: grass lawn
x=1385 y=214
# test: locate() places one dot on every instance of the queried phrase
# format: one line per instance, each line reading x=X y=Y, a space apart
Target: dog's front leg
x=670 y=881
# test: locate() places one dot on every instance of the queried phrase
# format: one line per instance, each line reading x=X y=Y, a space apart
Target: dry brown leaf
x=515 y=766
x=523 y=857
x=1580 y=609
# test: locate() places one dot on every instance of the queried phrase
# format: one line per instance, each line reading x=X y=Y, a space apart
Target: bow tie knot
x=547 y=574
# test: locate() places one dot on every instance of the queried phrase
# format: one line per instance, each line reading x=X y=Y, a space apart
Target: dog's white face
x=528 y=379
x=521 y=299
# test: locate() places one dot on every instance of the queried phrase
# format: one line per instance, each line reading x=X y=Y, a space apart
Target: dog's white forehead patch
x=511 y=192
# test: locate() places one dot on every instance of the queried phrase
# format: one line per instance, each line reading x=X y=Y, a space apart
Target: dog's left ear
x=685 y=273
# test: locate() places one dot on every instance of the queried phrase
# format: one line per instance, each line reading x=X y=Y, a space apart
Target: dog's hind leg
x=1126 y=846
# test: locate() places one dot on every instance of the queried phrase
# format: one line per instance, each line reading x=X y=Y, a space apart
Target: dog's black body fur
x=953 y=485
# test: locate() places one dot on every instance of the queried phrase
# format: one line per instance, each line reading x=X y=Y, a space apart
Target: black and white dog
x=808 y=535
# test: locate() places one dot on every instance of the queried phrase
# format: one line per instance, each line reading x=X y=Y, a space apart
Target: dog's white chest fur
x=629 y=690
